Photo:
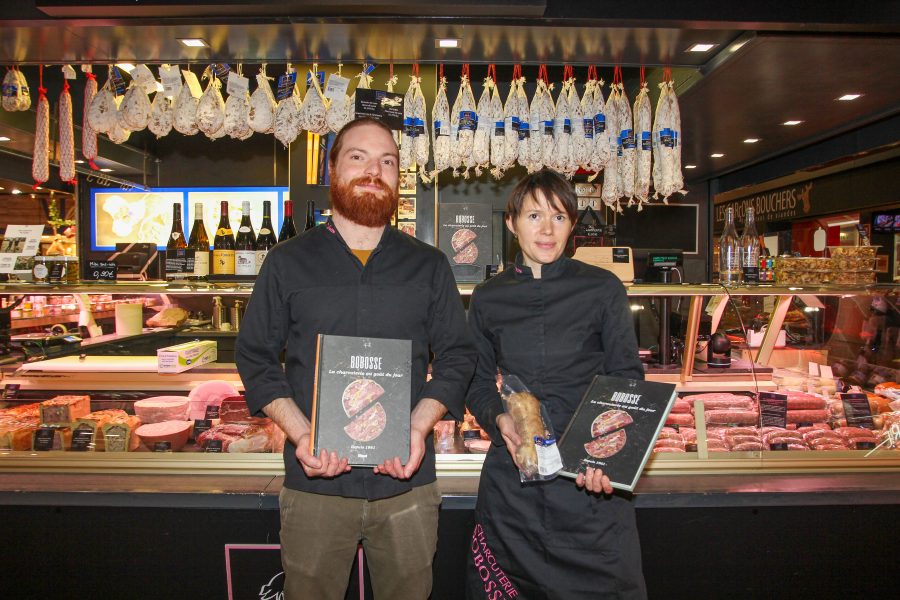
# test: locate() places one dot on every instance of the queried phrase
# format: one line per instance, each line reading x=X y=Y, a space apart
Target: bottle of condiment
x=223 y=245
x=199 y=243
x=288 y=227
x=729 y=252
x=245 y=244
x=310 y=215
x=266 y=238
x=750 y=250
x=176 y=242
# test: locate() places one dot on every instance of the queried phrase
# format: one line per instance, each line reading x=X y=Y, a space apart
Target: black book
x=362 y=398
x=464 y=235
x=615 y=428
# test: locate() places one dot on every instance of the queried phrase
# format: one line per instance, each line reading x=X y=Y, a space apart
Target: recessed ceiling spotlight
x=792 y=123
x=15 y=191
x=37 y=187
x=106 y=170
x=79 y=162
x=194 y=42
x=690 y=166
x=849 y=97
x=2 y=188
x=446 y=43
x=716 y=155
x=127 y=67
x=751 y=140
x=701 y=47
x=3 y=138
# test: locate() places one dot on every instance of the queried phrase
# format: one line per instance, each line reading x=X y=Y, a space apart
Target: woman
x=555 y=323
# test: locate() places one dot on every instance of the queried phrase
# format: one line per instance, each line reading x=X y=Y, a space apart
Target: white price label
x=144 y=78
x=237 y=85
x=193 y=83
x=171 y=79
x=549 y=461
x=336 y=86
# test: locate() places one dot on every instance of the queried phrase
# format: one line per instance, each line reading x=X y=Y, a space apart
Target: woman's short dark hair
x=339 y=139
x=559 y=193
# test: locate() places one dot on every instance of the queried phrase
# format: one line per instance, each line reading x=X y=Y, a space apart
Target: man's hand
x=421 y=423
x=593 y=480
x=507 y=427
x=327 y=465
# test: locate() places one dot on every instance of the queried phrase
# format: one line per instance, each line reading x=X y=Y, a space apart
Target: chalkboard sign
x=82 y=439
x=43 y=439
x=772 y=409
x=101 y=270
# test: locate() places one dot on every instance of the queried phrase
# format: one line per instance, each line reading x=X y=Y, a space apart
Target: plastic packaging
x=538 y=455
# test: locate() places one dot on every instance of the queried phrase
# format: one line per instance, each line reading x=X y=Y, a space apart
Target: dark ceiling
x=771 y=61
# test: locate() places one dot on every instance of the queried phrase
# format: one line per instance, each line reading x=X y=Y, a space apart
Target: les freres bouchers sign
x=863 y=187
x=776 y=205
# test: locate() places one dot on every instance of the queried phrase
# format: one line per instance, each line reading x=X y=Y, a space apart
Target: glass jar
x=56 y=267
x=72 y=272
x=39 y=271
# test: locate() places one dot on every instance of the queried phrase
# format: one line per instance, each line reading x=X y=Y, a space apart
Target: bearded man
x=356 y=276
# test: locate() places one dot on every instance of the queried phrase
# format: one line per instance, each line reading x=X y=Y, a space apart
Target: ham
x=171 y=435
x=162 y=408
x=240 y=437
x=210 y=393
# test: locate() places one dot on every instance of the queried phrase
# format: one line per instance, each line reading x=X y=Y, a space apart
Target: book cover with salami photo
x=362 y=398
x=615 y=428
x=465 y=237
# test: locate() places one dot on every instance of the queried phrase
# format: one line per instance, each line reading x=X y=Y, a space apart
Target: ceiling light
x=3 y=138
x=690 y=166
x=2 y=188
x=127 y=67
x=15 y=191
x=792 y=123
x=106 y=170
x=848 y=97
x=716 y=155
x=751 y=140
x=701 y=47
x=79 y=162
x=446 y=43
x=194 y=42
x=37 y=187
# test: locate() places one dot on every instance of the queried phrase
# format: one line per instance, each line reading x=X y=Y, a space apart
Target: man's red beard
x=369 y=209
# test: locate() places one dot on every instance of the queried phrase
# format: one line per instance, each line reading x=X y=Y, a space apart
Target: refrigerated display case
x=801 y=339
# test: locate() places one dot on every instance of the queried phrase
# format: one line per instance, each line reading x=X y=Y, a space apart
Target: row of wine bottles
x=240 y=254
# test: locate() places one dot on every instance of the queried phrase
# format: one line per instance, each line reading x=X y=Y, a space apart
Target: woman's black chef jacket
x=551 y=539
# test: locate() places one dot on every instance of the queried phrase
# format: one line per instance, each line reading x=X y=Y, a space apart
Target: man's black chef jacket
x=555 y=333
x=314 y=284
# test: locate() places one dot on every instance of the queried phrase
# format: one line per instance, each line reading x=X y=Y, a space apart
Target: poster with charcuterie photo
x=615 y=428
x=361 y=401
x=465 y=236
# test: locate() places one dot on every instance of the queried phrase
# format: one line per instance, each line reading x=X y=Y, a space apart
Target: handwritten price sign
x=101 y=270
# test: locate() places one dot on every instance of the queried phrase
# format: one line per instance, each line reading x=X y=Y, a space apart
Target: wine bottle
x=750 y=250
x=266 y=238
x=310 y=215
x=223 y=244
x=288 y=227
x=174 y=266
x=729 y=252
x=199 y=243
x=245 y=244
